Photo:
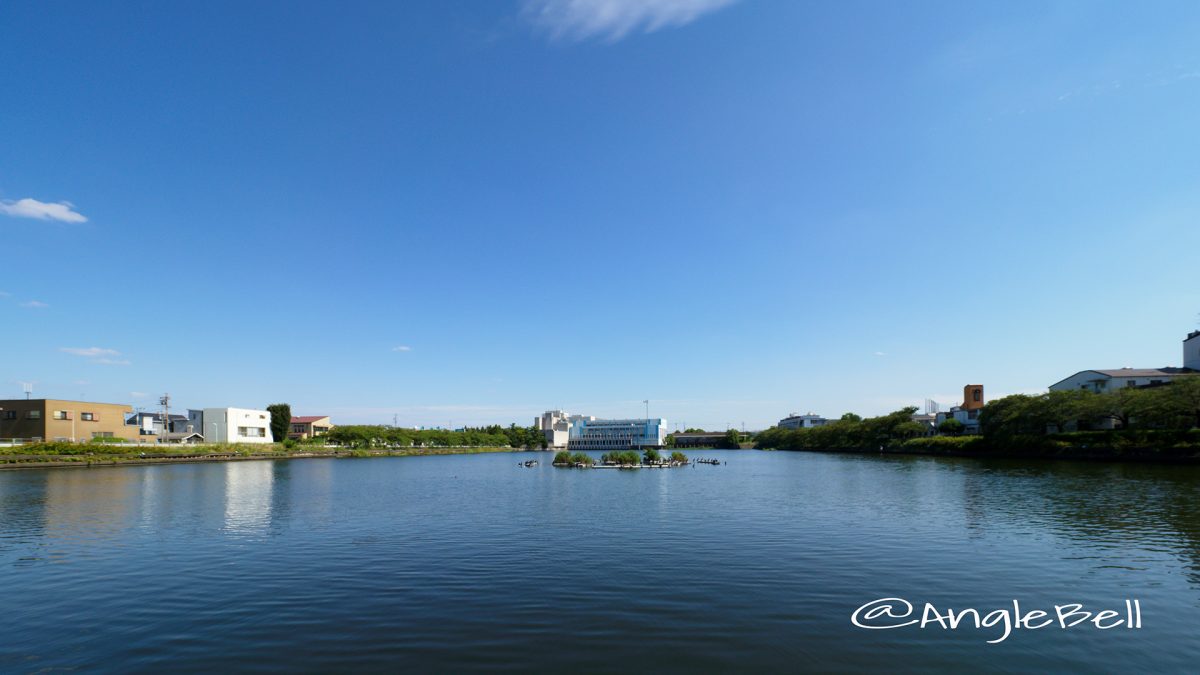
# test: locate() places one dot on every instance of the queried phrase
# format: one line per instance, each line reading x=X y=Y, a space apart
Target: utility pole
x=165 y=402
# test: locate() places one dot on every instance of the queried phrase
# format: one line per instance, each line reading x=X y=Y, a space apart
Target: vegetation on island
x=621 y=458
x=566 y=458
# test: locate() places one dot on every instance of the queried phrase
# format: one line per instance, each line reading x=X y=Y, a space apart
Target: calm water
x=452 y=564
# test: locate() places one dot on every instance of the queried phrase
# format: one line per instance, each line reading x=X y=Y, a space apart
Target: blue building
x=588 y=433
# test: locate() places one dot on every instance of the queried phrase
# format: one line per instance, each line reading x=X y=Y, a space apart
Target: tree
x=679 y=457
x=733 y=440
x=951 y=427
x=651 y=455
x=851 y=417
x=281 y=420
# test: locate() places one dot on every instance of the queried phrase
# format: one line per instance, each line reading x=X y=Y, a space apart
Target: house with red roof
x=309 y=427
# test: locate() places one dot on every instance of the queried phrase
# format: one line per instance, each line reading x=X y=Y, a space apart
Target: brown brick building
x=58 y=420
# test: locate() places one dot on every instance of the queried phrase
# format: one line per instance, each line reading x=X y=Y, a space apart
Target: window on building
x=977 y=395
x=10 y=414
x=87 y=416
x=62 y=414
x=1156 y=381
x=1130 y=383
x=34 y=415
x=102 y=434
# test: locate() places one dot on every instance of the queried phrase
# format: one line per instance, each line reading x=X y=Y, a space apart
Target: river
x=472 y=563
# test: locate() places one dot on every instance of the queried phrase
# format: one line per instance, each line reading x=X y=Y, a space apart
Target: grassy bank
x=49 y=455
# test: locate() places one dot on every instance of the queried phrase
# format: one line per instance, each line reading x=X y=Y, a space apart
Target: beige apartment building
x=59 y=420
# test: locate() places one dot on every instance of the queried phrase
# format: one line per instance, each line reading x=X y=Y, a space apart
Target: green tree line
x=1169 y=407
x=851 y=432
x=494 y=436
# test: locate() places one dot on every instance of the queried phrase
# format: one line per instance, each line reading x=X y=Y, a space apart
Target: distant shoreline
x=10 y=461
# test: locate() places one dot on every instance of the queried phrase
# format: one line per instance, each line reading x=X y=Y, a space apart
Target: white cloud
x=138 y=394
x=32 y=208
x=402 y=348
x=880 y=354
x=100 y=355
x=82 y=383
x=612 y=20
x=89 y=351
x=35 y=304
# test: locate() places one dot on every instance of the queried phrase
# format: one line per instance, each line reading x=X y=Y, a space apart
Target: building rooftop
x=308 y=419
x=1143 y=372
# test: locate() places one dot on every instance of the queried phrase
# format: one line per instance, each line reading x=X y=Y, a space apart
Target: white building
x=593 y=434
x=556 y=426
x=1103 y=381
x=808 y=421
x=232 y=425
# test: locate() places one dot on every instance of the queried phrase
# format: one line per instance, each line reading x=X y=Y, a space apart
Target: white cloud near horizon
x=402 y=348
x=611 y=20
x=35 y=304
x=32 y=208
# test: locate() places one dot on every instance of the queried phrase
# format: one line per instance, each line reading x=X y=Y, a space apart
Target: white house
x=808 y=421
x=1102 y=381
x=232 y=425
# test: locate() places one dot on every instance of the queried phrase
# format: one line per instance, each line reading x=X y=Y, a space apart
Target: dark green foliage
x=951 y=427
x=651 y=456
x=281 y=420
x=678 y=456
x=621 y=457
x=732 y=440
x=495 y=436
x=1174 y=406
x=848 y=433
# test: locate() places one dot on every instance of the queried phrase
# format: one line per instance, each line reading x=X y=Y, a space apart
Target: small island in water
x=621 y=459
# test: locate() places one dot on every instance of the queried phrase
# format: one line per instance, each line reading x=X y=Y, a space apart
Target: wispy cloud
x=89 y=351
x=32 y=208
x=402 y=348
x=101 y=355
x=611 y=20
x=35 y=304
x=138 y=394
x=880 y=353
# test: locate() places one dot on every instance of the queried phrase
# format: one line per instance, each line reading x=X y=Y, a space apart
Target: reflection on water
x=448 y=564
x=248 y=489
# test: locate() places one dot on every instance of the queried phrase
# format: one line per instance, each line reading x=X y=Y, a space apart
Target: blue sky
x=470 y=212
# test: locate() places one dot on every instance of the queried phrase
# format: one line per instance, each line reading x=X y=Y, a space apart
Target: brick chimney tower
x=972 y=397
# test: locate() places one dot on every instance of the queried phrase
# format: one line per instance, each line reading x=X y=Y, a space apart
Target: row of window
x=58 y=415
x=252 y=432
